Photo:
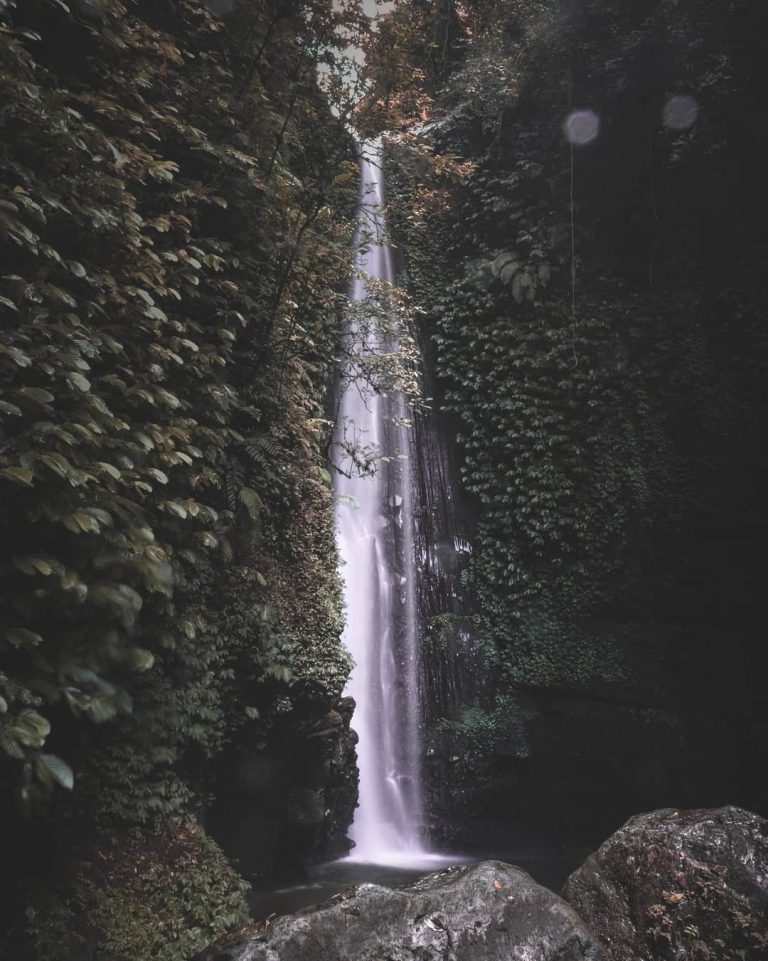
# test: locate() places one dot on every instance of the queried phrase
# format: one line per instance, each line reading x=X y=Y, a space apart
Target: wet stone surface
x=483 y=912
x=679 y=886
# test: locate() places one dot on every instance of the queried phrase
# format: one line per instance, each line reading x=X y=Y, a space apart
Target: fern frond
x=251 y=501
x=262 y=450
x=233 y=481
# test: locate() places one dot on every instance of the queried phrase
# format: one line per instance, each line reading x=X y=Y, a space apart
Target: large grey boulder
x=679 y=886
x=484 y=912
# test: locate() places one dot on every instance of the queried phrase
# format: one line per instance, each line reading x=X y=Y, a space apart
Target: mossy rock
x=156 y=895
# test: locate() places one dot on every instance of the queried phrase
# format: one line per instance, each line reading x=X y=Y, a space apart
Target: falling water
x=375 y=534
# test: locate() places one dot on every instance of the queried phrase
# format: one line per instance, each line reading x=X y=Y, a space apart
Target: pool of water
x=324 y=881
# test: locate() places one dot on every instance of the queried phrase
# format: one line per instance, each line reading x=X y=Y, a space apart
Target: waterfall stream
x=376 y=543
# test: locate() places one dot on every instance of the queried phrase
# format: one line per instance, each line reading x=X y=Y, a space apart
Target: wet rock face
x=484 y=912
x=290 y=803
x=679 y=886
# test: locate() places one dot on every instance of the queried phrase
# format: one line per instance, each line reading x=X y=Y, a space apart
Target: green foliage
x=177 y=200
x=575 y=326
x=162 y=895
x=480 y=732
x=407 y=57
x=157 y=355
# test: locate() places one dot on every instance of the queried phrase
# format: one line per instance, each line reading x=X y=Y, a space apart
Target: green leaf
x=101 y=709
x=501 y=261
x=110 y=469
x=251 y=501
x=18 y=356
x=20 y=475
x=142 y=659
x=280 y=672
x=29 y=34
x=21 y=637
x=146 y=442
x=31 y=564
x=58 y=464
x=9 y=744
x=37 y=394
x=69 y=580
x=102 y=517
x=59 y=770
x=170 y=399
x=34 y=725
x=77 y=380
x=8 y=303
x=206 y=539
x=121 y=599
x=173 y=508
x=507 y=272
x=78 y=522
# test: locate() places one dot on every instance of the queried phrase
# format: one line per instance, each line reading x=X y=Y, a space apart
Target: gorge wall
x=594 y=319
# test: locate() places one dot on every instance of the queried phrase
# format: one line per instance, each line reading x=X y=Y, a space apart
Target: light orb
x=680 y=112
x=581 y=127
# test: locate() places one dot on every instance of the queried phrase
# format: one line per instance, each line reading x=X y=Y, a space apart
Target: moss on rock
x=159 y=894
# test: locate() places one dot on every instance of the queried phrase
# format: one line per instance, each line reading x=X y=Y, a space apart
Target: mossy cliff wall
x=595 y=321
x=176 y=207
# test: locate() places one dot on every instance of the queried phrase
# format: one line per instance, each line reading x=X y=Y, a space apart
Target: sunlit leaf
x=59 y=770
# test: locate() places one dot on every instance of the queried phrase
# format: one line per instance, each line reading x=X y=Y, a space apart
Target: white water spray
x=375 y=536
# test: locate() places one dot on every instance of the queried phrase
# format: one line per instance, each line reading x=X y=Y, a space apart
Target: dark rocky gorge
x=668 y=886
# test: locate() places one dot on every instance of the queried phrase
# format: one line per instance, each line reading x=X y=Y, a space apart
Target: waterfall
x=376 y=543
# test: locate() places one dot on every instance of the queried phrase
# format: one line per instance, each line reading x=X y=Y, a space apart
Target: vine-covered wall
x=176 y=209
x=595 y=317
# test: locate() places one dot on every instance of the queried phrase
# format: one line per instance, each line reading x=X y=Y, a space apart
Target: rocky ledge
x=668 y=886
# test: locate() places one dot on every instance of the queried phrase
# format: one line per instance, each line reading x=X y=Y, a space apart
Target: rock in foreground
x=484 y=912
x=682 y=885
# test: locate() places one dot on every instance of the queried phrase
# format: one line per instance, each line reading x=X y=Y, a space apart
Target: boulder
x=484 y=912
x=679 y=886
